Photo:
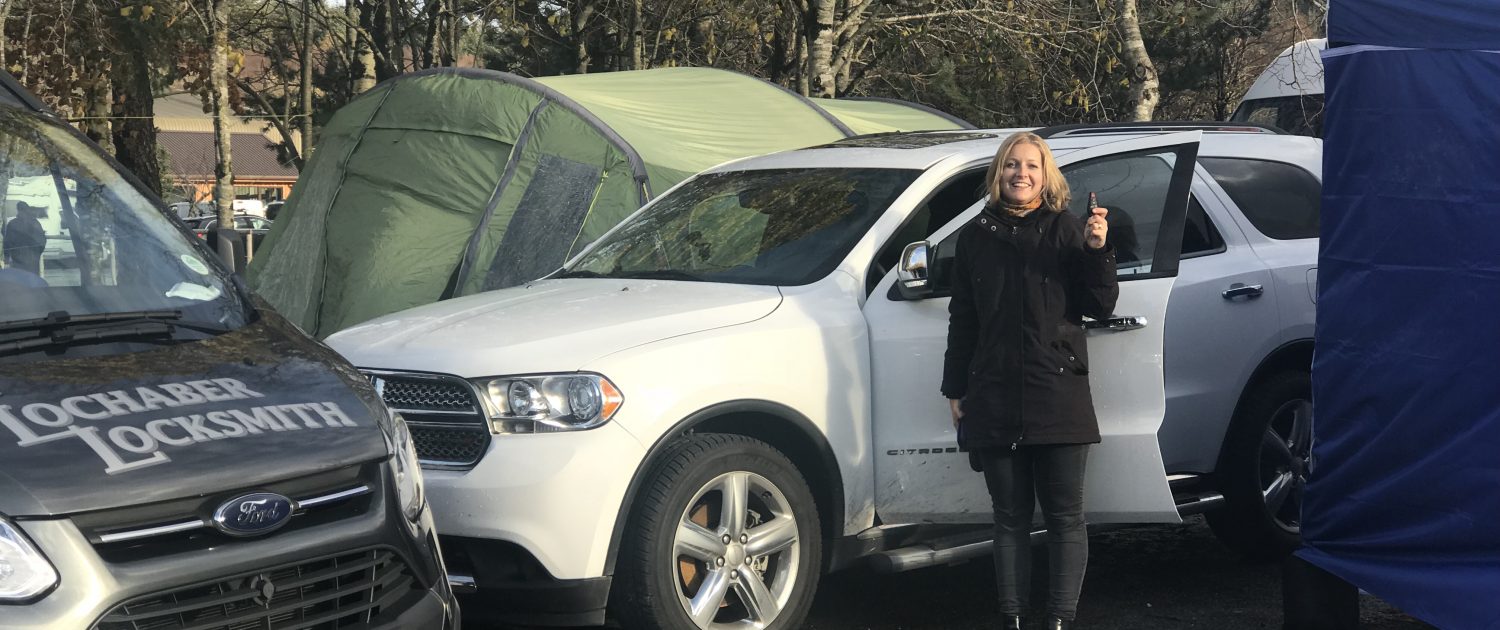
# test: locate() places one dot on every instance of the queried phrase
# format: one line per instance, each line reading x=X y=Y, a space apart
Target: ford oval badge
x=253 y=514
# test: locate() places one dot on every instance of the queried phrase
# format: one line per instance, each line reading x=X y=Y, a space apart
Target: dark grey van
x=173 y=454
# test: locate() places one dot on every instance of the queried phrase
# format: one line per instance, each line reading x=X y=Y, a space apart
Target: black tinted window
x=1199 y=235
x=1282 y=201
x=1301 y=115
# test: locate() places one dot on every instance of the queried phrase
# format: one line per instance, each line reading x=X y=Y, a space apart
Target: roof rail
x=1092 y=129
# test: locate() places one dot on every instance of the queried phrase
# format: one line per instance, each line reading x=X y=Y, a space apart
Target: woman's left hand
x=1096 y=230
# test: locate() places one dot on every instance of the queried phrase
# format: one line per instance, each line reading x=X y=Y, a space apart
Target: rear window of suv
x=1282 y=201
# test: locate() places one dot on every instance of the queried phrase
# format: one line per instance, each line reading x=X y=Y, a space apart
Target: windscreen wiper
x=62 y=337
x=63 y=328
x=580 y=273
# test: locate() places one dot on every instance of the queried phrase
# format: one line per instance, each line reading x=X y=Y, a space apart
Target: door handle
x=1116 y=323
x=1240 y=290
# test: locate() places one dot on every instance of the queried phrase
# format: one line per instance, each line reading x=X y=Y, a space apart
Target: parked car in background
x=173 y=454
x=244 y=223
x=1289 y=92
x=736 y=388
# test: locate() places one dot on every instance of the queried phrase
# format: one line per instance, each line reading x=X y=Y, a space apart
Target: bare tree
x=1145 y=90
x=305 y=87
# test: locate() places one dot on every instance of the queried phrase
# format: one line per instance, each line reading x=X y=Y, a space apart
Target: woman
x=1016 y=371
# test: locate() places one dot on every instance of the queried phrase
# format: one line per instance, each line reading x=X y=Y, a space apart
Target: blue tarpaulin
x=1404 y=497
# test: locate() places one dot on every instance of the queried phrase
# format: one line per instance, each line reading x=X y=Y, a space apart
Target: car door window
x=951 y=199
x=1133 y=187
x=1199 y=236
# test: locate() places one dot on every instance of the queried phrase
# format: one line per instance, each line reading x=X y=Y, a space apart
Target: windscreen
x=769 y=227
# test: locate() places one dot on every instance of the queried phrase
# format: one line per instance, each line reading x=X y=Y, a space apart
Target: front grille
x=345 y=591
x=450 y=444
x=446 y=420
x=427 y=394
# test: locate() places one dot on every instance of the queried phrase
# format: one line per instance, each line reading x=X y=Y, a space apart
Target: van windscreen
x=1300 y=115
x=79 y=241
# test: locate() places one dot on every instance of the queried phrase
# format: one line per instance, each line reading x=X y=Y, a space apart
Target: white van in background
x=1289 y=93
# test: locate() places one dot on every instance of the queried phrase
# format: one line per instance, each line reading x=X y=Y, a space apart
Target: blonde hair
x=1055 y=193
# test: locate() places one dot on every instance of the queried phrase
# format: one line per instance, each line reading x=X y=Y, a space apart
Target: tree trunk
x=363 y=74
x=430 y=52
x=134 y=107
x=25 y=37
x=821 y=81
x=637 y=35
x=804 y=80
x=1145 y=91
x=397 y=52
x=305 y=89
x=450 y=50
x=97 y=109
x=5 y=41
x=218 y=73
x=582 y=14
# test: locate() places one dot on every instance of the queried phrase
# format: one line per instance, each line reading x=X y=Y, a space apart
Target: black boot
x=1055 y=623
x=1011 y=622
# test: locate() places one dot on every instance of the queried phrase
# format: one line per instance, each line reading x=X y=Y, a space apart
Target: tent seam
x=465 y=266
x=333 y=199
x=637 y=163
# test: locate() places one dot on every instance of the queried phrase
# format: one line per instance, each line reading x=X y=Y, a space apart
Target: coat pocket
x=1069 y=359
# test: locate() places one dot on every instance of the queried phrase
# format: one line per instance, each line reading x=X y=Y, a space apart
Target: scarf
x=1021 y=210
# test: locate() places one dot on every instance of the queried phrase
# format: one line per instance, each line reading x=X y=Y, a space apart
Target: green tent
x=454 y=181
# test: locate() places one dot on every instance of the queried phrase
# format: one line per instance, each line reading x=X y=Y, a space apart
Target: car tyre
x=1262 y=470
x=724 y=533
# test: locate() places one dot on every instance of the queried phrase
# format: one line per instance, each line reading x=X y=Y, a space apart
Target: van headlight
x=550 y=402
x=407 y=468
x=24 y=572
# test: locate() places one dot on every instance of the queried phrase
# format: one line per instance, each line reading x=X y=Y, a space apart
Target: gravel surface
x=1140 y=578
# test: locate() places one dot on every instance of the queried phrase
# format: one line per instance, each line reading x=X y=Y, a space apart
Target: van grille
x=446 y=419
x=345 y=591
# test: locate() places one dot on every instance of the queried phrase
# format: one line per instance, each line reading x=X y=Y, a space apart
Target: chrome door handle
x=1239 y=290
x=1116 y=323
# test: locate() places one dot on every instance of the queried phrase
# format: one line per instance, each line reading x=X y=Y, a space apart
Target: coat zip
x=1022 y=406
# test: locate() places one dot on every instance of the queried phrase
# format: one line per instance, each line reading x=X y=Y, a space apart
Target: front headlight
x=407 y=468
x=550 y=402
x=24 y=573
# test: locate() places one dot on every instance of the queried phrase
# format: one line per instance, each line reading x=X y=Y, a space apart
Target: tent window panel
x=546 y=221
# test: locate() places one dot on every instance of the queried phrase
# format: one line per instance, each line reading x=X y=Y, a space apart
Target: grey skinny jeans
x=1016 y=479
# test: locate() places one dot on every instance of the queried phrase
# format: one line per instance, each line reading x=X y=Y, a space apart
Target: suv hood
x=548 y=326
x=253 y=406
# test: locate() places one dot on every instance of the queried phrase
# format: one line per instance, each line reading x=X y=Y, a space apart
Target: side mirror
x=912 y=280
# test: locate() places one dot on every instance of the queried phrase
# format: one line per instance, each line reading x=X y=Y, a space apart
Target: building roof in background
x=191 y=155
x=184 y=112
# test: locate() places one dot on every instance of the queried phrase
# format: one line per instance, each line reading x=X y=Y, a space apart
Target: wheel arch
x=1293 y=355
x=783 y=427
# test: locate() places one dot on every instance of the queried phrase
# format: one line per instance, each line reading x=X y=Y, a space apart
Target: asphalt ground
x=1159 y=577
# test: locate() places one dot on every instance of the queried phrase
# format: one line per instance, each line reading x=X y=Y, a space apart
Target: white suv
x=736 y=389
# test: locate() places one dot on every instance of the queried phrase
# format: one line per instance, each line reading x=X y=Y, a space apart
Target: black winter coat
x=1016 y=346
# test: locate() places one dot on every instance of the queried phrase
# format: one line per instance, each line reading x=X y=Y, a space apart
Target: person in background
x=25 y=239
x=1025 y=272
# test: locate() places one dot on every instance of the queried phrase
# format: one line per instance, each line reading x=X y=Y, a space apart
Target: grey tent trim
x=637 y=165
x=332 y=199
x=472 y=249
x=918 y=106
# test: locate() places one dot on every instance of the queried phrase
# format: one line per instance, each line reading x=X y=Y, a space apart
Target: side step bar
x=938 y=552
x=1192 y=497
